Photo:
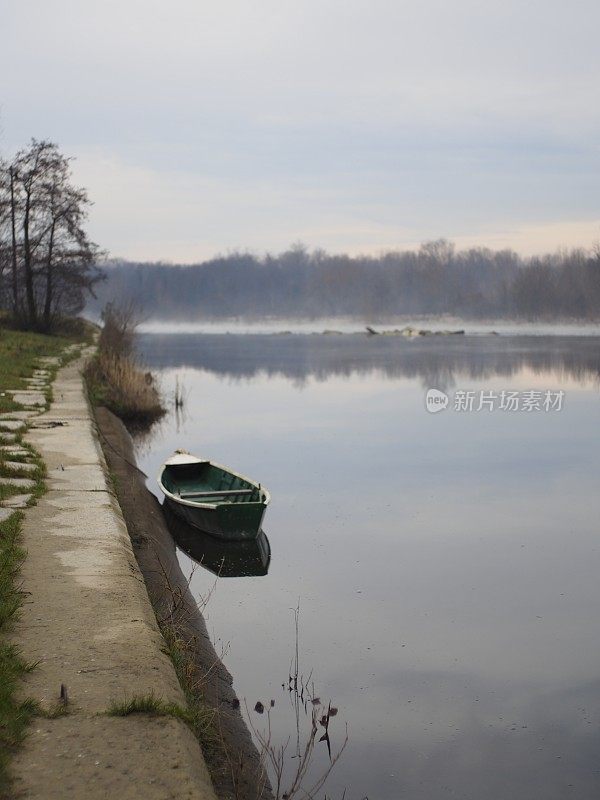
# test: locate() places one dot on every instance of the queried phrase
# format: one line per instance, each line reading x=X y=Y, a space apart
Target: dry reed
x=115 y=378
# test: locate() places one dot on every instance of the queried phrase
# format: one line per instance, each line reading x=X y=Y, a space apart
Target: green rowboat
x=213 y=498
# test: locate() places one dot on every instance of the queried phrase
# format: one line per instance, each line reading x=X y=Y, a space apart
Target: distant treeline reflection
x=437 y=361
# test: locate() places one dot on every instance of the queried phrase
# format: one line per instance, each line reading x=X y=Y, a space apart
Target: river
x=445 y=565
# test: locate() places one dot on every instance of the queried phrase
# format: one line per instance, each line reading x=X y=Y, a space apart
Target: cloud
x=186 y=216
x=355 y=126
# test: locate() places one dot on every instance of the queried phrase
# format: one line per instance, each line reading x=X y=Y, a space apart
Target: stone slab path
x=88 y=624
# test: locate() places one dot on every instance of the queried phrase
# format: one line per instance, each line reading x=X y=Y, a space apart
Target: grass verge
x=201 y=718
x=14 y=714
x=19 y=354
x=196 y=716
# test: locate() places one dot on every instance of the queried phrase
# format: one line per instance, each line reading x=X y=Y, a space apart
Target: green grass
x=38 y=489
x=11 y=468
x=14 y=715
x=197 y=717
x=6 y=491
x=140 y=704
x=19 y=354
x=202 y=719
x=55 y=711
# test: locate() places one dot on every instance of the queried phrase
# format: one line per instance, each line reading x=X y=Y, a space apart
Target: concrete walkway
x=88 y=624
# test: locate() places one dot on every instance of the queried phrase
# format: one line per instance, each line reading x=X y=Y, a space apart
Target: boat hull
x=234 y=522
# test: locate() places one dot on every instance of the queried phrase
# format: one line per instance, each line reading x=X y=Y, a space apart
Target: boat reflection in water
x=225 y=558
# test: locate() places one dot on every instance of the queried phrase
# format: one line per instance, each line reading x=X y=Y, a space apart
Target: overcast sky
x=202 y=126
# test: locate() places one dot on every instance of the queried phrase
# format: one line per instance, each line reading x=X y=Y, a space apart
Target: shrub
x=114 y=377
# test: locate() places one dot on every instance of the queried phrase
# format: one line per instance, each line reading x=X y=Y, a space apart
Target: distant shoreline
x=345 y=326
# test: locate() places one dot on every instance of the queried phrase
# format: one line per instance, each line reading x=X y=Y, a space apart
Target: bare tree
x=52 y=261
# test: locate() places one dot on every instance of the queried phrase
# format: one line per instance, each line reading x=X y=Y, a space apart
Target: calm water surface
x=446 y=565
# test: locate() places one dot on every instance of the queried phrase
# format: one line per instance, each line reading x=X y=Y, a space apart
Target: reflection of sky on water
x=446 y=565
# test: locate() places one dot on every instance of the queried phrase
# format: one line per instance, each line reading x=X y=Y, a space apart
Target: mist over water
x=333 y=325
x=446 y=565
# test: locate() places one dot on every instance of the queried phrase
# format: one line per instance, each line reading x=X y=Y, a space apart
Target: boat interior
x=204 y=482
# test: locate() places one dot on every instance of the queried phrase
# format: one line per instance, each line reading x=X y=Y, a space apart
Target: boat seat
x=217 y=493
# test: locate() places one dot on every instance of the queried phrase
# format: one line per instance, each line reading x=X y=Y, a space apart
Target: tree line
x=437 y=279
x=49 y=268
x=47 y=262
